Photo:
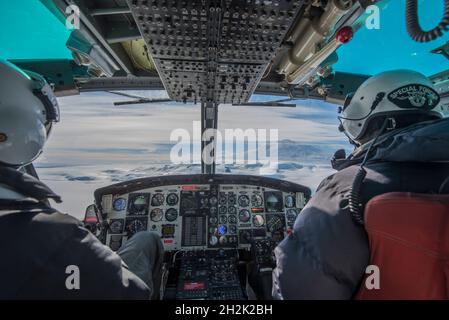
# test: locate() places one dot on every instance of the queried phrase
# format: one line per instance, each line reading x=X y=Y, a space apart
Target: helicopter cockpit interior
x=209 y=53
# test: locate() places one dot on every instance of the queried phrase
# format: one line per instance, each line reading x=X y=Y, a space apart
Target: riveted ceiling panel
x=213 y=50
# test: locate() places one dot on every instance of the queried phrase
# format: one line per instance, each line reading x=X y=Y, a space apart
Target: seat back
x=409 y=243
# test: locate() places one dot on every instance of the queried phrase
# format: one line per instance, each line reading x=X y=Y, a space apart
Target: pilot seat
x=409 y=243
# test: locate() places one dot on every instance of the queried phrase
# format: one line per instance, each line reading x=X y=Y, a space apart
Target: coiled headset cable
x=414 y=28
x=355 y=205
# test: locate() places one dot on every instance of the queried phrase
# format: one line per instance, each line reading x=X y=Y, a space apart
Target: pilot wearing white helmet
x=37 y=242
x=396 y=122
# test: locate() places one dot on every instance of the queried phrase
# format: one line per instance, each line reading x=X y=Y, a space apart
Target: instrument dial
x=139 y=205
x=119 y=204
x=243 y=201
x=222 y=230
x=244 y=215
x=232 y=210
x=223 y=219
x=232 y=229
x=213 y=220
x=232 y=219
x=157 y=200
x=257 y=201
x=171 y=214
x=135 y=226
x=116 y=226
x=213 y=240
x=258 y=220
x=213 y=201
x=172 y=199
x=213 y=210
x=290 y=201
x=291 y=215
x=204 y=202
x=212 y=230
x=223 y=210
x=274 y=223
x=156 y=215
x=223 y=199
x=232 y=199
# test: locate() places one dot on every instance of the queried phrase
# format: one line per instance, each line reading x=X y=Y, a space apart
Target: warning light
x=222 y=230
x=345 y=34
x=190 y=187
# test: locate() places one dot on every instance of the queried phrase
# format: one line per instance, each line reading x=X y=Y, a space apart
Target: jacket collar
x=26 y=185
x=423 y=142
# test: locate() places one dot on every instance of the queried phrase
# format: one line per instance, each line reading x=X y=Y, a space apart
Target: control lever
x=260 y=269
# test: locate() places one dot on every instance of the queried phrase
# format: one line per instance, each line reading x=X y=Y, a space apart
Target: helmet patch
x=415 y=96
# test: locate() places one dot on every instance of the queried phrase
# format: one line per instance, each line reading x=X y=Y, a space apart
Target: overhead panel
x=214 y=50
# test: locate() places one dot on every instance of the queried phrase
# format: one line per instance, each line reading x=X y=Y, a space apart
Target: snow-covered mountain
x=97 y=144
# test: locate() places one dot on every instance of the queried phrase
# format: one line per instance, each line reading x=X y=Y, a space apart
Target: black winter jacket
x=326 y=256
x=38 y=243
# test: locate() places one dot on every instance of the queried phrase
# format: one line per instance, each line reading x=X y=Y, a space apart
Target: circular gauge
x=213 y=220
x=116 y=226
x=171 y=214
x=213 y=201
x=258 y=220
x=232 y=229
x=273 y=201
x=119 y=204
x=223 y=210
x=274 y=223
x=213 y=240
x=289 y=201
x=223 y=240
x=136 y=226
x=157 y=200
x=223 y=199
x=222 y=229
x=223 y=219
x=139 y=205
x=232 y=210
x=244 y=215
x=291 y=215
x=115 y=245
x=172 y=199
x=232 y=199
x=212 y=230
x=204 y=202
x=156 y=215
x=257 y=200
x=245 y=236
x=244 y=201
x=213 y=210
x=232 y=219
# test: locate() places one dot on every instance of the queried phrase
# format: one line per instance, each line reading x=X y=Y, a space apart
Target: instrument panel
x=202 y=211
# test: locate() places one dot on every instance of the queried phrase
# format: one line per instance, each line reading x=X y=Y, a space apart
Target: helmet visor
x=43 y=91
x=348 y=100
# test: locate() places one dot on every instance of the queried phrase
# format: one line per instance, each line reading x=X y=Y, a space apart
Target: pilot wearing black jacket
x=47 y=254
x=398 y=126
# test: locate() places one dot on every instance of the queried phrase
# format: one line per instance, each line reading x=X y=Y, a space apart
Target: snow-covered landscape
x=97 y=143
